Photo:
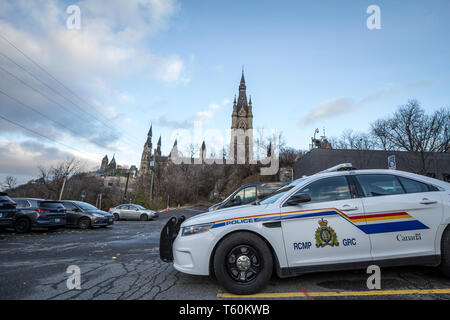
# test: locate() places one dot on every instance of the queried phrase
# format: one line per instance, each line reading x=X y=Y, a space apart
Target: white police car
x=333 y=220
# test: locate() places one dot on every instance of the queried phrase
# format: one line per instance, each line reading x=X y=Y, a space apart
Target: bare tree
x=411 y=129
x=353 y=141
x=9 y=183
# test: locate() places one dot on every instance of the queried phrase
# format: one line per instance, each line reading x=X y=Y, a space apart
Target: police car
x=332 y=220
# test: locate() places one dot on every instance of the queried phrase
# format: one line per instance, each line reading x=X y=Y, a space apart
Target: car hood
x=227 y=213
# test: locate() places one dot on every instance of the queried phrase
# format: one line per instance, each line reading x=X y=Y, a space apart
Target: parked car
x=132 y=212
x=334 y=220
x=40 y=213
x=248 y=193
x=7 y=211
x=84 y=215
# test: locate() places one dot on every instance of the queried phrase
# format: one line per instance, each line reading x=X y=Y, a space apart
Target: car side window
x=249 y=195
x=69 y=206
x=413 y=186
x=23 y=204
x=328 y=189
x=241 y=194
x=374 y=185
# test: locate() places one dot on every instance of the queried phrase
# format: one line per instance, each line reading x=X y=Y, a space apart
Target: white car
x=132 y=212
x=329 y=221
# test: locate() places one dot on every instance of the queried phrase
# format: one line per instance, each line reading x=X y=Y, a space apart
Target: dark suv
x=38 y=213
x=7 y=211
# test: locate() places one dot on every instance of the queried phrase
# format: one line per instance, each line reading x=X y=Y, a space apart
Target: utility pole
x=100 y=201
x=152 y=168
x=62 y=189
x=126 y=186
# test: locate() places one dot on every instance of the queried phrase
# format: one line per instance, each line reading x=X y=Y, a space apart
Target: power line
x=38 y=112
x=45 y=96
x=56 y=92
x=61 y=84
x=41 y=135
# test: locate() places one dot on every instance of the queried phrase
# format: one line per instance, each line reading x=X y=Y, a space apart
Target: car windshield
x=86 y=206
x=280 y=192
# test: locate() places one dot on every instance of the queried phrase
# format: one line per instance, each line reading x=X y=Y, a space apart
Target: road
x=122 y=262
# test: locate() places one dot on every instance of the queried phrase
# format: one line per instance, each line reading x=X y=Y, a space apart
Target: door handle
x=348 y=207
x=427 y=201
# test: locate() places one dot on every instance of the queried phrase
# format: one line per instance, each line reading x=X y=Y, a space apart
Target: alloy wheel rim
x=243 y=264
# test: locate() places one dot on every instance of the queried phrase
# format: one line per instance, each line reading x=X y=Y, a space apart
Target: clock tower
x=242 y=126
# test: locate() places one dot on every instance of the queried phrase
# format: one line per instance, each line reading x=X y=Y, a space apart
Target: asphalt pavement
x=122 y=262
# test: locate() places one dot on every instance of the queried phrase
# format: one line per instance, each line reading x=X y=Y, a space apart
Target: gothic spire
x=150 y=133
x=149 y=137
x=158 y=147
x=242 y=99
x=242 y=85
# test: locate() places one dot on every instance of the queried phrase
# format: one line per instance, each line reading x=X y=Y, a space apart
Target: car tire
x=143 y=217
x=243 y=263
x=445 y=253
x=22 y=225
x=84 y=223
x=116 y=217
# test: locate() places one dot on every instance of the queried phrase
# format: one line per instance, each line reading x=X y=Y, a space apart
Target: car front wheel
x=22 y=225
x=243 y=263
x=116 y=217
x=143 y=217
x=84 y=223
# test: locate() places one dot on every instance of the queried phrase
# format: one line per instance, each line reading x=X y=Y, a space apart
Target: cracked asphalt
x=122 y=262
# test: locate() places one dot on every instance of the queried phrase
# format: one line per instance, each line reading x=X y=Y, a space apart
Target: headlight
x=97 y=215
x=199 y=228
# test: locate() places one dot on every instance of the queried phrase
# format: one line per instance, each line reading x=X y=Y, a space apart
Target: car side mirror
x=297 y=199
x=236 y=201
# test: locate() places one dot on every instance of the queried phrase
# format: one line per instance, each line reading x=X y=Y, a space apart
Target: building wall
x=437 y=164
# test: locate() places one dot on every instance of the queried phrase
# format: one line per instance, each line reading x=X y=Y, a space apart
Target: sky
x=174 y=64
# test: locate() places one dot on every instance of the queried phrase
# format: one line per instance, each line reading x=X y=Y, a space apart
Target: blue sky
x=308 y=64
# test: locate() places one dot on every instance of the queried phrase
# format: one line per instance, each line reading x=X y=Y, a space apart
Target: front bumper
x=168 y=234
x=191 y=253
x=104 y=221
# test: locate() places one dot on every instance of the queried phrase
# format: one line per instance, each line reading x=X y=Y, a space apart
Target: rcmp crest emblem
x=325 y=235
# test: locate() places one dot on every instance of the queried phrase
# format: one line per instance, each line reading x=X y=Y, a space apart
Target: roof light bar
x=339 y=167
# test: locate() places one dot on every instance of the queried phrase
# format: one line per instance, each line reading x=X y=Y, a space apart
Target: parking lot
x=122 y=262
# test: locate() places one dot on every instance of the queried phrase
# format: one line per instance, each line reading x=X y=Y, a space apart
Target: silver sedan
x=132 y=212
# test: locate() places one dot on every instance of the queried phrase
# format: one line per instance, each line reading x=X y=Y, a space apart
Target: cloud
x=329 y=109
x=22 y=159
x=204 y=115
x=209 y=113
x=110 y=44
x=340 y=106
x=174 y=124
x=199 y=117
